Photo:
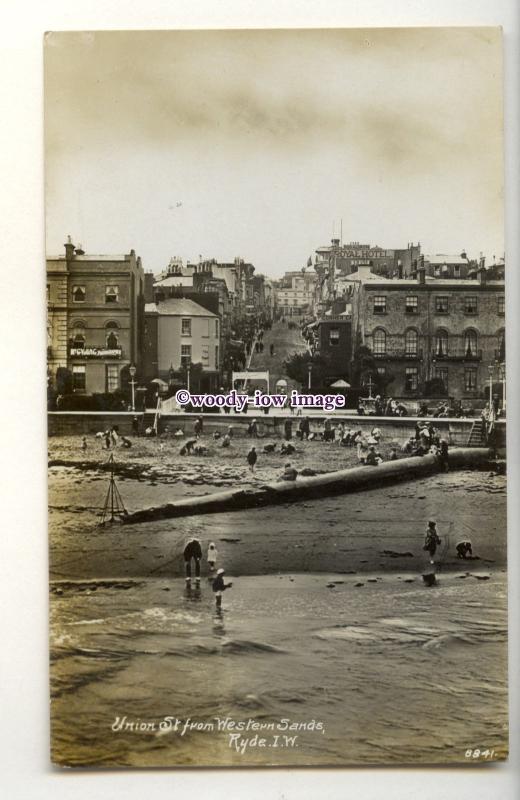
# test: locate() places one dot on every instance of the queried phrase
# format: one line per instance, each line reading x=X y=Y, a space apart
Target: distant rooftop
x=446 y=258
x=175 y=280
x=178 y=307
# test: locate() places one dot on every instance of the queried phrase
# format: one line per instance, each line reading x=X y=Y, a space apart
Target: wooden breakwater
x=340 y=482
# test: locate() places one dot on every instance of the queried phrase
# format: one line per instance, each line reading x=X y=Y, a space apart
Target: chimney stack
x=69 y=249
x=421 y=275
x=482 y=275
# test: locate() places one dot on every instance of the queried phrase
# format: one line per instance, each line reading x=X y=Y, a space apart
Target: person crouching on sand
x=212 y=556
x=193 y=551
x=289 y=473
x=219 y=586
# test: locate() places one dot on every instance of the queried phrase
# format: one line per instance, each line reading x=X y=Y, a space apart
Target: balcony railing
x=400 y=355
x=457 y=354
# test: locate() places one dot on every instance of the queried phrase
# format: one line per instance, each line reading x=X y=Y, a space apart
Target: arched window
x=78 y=334
x=410 y=341
x=470 y=344
x=441 y=343
x=379 y=342
x=112 y=340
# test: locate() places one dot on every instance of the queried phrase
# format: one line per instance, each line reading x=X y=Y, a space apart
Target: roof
x=91 y=257
x=178 y=307
x=431 y=283
x=175 y=280
x=443 y=258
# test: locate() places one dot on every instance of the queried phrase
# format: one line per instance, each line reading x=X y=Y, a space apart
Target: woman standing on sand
x=431 y=540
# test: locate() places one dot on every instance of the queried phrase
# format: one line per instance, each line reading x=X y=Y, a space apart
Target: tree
x=297 y=368
x=63 y=380
x=364 y=367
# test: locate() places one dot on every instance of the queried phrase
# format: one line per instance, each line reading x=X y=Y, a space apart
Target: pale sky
x=255 y=143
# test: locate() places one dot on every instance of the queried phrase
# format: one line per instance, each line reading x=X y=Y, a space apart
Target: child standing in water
x=212 y=556
x=219 y=586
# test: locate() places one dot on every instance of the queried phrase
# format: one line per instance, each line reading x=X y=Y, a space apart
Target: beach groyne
x=339 y=482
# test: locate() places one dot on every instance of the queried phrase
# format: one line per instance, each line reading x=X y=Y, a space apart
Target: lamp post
x=171 y=374
x=132 y=370
x=503 y=370
x=309 y=371
x=188 y=367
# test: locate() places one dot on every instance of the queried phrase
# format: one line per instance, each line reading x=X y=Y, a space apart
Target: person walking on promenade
x=252 y=459
x=219 y=586
x=431 y=540
x=135 y=426
x=192 y=551
x=252 y=429
x=108 y=439
x=212 y=556
x=287 y=429
x=84 y=443
x=198 y=427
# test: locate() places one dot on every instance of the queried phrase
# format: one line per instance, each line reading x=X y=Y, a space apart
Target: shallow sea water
x=387 y=672
x=394 y=672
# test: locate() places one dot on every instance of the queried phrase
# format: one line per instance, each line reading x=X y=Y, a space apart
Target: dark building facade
x=425 y=329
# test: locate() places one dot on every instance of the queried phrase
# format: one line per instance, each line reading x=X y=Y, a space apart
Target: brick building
x=418 y=330
x=95 y=317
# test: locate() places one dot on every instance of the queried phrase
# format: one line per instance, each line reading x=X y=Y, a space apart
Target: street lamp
x=309 y=369
x=188 y=367
x=171 y=374
x=132 y=370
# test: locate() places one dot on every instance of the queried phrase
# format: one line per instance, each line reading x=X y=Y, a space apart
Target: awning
x=341 y=384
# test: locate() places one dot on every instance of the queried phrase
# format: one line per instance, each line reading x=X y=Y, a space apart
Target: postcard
x=277 y=397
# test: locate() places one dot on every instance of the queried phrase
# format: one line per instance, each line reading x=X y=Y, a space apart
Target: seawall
x=70 y=423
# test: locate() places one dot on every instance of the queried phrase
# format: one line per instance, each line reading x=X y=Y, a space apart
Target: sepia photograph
x=276 y=397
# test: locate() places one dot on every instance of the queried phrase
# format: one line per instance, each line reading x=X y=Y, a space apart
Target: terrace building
x=424 y=329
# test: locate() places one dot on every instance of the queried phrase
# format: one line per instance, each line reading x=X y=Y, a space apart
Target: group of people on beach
x=193 y=553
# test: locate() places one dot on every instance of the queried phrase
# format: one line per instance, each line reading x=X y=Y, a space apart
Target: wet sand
x=375 y=530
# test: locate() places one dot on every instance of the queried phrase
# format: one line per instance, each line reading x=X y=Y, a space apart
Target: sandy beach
x=378 y=529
